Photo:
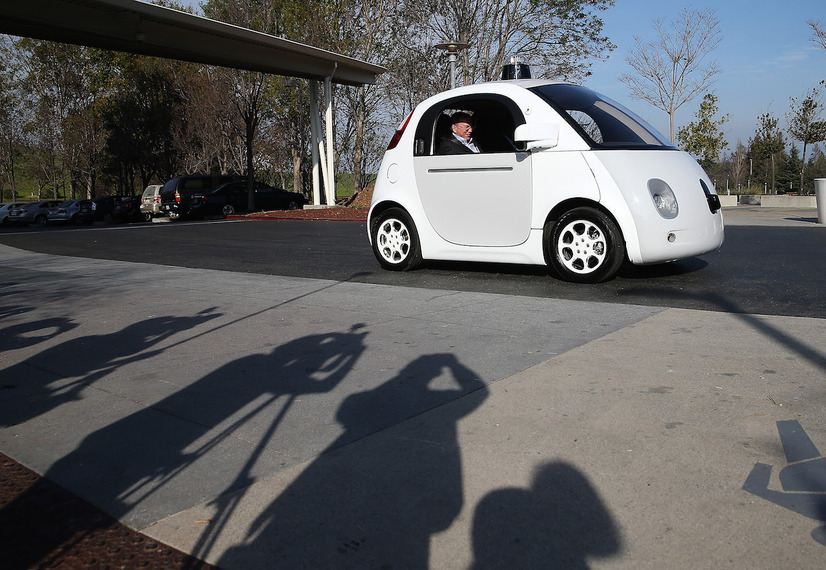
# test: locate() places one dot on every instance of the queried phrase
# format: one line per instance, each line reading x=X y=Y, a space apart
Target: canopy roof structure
x=148 y=29
x=138 y=27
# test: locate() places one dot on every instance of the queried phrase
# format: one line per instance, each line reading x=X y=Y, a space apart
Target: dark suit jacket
x=449 y=145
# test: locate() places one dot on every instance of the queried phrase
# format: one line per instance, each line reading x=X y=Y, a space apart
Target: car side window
x=495 y=119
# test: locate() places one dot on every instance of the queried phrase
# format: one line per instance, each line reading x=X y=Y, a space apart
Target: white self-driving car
x=566 y=178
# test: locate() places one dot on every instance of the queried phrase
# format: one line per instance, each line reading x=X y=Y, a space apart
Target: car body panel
x=233 y=197
x=4 y=211
x=64 y=213
x=176 y=194
x=31 y=212
x=151 y=200
x=128 y=209
x=96 y=210
x=496 y=206
x=477 y=184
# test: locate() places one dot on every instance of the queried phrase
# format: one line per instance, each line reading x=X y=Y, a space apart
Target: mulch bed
x=44 y=526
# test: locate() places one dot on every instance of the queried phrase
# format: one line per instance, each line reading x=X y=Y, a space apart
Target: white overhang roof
x=138 y=27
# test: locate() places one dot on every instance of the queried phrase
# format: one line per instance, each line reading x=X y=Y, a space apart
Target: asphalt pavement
x=260 y=421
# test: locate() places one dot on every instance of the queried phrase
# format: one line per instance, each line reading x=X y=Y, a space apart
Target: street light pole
x=452 y=49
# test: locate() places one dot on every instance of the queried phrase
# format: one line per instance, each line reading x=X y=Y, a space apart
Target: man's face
x=463 y=129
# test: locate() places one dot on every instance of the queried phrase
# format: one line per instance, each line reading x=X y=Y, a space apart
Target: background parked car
x=31 y=212
x=231 y=198
x=151 y=200
x=128 y=209
x=177 y=193
x=99 y=209
x=4 y=211
x=65 y=213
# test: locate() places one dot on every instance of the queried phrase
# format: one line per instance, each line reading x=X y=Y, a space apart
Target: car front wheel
x=228 y=210
x=585 y=246
x=395 y=241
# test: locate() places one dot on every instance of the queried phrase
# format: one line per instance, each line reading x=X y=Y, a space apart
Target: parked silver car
x=4 y=211
x=31 y=212
x=151 y=200
x=65 y=213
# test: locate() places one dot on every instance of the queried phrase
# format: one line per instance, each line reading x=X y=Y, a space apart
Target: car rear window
x=602 y=122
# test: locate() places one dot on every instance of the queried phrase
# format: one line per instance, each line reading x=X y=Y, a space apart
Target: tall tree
x=806 y=124
x=560 y=38
x=11 y=116
x=56 y=83
x=768 y=144
x=703 y=137
x=739 y=164
x=249 y=88
x=673 y=69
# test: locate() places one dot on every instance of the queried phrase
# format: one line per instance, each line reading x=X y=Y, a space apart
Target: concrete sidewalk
x=259 y=421
x=764 y=216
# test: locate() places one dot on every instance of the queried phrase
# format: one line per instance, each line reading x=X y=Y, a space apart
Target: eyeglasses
x=463 y=126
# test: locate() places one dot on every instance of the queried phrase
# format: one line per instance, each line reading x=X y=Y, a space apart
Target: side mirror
x=537 y=136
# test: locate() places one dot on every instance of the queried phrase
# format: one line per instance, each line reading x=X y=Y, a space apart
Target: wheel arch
x=570 y=204
x=377 y=210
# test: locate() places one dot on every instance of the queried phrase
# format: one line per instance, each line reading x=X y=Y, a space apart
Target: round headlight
x=664 y=199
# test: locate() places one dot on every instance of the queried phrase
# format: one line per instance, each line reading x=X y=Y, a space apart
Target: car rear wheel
x=395 y=241
x=228 y=210
x=585 y=246
x=293 y=205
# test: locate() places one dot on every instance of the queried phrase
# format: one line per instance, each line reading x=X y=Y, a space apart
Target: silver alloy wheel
x=581 y=247
x=228 y=210
x=393 y=241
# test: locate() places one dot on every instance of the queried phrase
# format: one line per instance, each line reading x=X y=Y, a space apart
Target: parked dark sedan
x=232 y=197
x=128 y=209
x=99 y=209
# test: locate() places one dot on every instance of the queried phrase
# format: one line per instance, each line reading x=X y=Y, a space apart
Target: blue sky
x=766 y=56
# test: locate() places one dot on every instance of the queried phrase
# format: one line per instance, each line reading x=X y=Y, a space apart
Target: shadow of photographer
x=375 y=505
x=559 y=522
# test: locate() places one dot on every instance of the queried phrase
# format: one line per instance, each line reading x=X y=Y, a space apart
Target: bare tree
x=671 y=69
x=560 y=38
x=739 y=159
x=819 y=36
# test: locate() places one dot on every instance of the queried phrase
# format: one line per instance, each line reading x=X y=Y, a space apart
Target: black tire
x=584 y=246
x=396 y=241
x=293 y=205
x=228 y=210
x=41 y=220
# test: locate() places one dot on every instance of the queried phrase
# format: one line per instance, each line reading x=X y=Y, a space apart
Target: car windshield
x=603 y=122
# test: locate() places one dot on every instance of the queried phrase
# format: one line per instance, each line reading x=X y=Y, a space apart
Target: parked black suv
x=176 y=195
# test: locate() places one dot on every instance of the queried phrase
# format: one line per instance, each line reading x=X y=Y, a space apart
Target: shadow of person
x=59 y=374
x=33 y=332
x=558 y=523
x=374 y=503
x=146 y=466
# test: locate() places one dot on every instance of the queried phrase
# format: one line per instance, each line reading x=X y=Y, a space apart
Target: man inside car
x=460 y=141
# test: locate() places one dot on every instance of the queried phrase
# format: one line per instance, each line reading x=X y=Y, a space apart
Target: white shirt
x=468 y=143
